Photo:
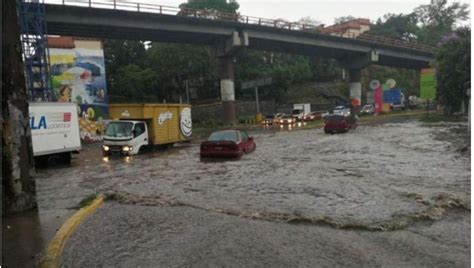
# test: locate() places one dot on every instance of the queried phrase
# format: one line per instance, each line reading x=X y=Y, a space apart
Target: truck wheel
x=67 y=158
x=41 y=161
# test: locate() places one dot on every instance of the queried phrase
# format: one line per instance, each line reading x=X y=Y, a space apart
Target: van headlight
x=105 y=148
x=127 y=148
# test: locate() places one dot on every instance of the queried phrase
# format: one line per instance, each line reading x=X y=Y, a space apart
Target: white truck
x=138 y=126
x=54 y=130
x=300 y=110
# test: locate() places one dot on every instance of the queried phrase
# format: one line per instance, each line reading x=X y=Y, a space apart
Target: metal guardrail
x=222 y=16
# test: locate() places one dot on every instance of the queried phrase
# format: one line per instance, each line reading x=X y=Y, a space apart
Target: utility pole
x=187 y=91
x=256 y=100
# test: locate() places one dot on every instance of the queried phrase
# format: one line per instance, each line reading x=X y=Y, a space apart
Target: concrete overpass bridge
x=227 y=33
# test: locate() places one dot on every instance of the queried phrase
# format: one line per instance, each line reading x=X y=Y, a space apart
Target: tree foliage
x=453 y=63
x=343 y=19
x=398 y=26
x=213 y=5
x=285 y=70
x=438 y=18
x=426 y=24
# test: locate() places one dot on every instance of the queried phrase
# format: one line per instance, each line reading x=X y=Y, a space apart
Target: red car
x=227 y=143
x=339 y=123
x=313 y=116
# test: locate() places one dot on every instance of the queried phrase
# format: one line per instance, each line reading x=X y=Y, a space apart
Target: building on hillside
x=78 y=75
x=351 y=28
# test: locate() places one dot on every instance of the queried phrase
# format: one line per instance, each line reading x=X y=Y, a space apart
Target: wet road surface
x=121 y=235
x=386 y=194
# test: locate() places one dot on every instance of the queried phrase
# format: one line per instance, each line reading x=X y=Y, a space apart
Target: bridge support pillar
x=355 y=88
x=227 y=88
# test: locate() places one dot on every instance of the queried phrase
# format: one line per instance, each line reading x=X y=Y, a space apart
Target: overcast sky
x=322 y=10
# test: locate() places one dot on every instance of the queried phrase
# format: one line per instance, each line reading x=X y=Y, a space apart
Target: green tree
x=213 y=5
x=438 y=18
x=285 y=69
x=133 y=83
x=325 y=70
x=176 y=63
x=453 y=64
x=398 y=26
x=123 y=52
x=343 y=19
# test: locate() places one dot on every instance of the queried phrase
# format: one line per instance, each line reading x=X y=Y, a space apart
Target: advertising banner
x=78 y=75
x=428 y=84
x=392 y=96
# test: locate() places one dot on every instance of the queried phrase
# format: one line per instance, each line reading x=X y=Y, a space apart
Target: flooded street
x=387 y=194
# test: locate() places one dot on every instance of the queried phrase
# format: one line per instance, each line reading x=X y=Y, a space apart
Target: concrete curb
x=51 y=257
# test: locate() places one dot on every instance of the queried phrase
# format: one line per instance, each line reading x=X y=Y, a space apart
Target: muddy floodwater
x=386 y=194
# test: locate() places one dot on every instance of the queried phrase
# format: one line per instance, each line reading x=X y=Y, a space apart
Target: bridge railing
x=222 y=16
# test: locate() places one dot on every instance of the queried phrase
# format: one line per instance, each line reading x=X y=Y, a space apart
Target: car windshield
x=367 y=106
x=286 y=117
x=119 y=129
x=223 y=136
x=296 y=111
x=339 y=108
x=269 y=117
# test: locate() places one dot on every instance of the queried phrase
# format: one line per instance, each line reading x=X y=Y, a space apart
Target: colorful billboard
x=392 y=96
x=428 y=84
x=78 y=75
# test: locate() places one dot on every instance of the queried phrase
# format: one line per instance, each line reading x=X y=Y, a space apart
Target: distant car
x=287 y=120
x=346 y=112
x=277 y=117
x=338 y=110
x=297 y=114
x=339 y=124
x=268 y=120
x=324 y=114
x=397 y=107
x=313 y=116
x=367 y=109
x=228 y=144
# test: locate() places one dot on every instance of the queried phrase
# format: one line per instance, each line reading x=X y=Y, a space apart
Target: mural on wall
x=78 y=75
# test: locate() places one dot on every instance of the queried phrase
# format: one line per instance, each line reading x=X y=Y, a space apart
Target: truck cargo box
x=54 y=128
x=167 y=123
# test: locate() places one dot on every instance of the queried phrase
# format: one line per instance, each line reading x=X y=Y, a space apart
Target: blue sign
x=392 y=96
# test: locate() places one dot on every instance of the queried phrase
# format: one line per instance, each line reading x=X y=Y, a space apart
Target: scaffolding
x=34 y=40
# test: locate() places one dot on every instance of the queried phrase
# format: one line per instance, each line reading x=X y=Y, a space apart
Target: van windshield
x=296 y=111
x=119 y=129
